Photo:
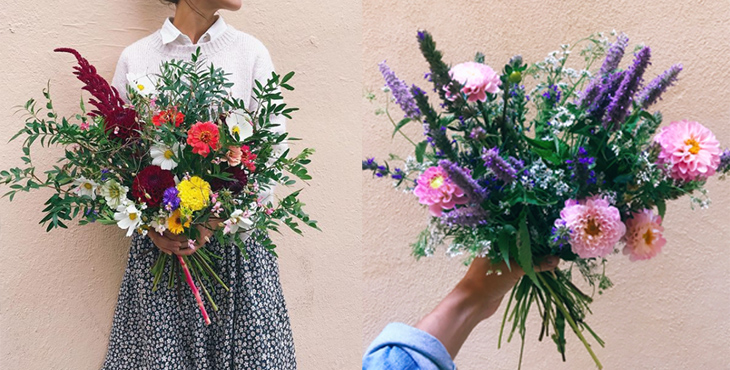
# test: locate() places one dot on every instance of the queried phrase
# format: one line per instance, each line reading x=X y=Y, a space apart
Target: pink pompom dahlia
x=691 y=150
x=436 y=190
x=644 y=238
x=477 y=80
x=595 y=226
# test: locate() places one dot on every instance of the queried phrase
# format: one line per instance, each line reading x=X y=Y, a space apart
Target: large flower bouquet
x=183 y=154
x=587 y=171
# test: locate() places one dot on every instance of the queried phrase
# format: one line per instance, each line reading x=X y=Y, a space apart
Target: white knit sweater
x=236 y=52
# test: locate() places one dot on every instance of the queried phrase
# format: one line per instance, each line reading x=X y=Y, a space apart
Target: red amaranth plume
x=120 y=122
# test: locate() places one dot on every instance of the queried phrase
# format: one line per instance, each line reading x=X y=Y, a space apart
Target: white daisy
x=128 y=217
x=143 y=84
x=240 y=125
x=238 y=220
x=86 y=187
x=114 y=193
x=163 y=155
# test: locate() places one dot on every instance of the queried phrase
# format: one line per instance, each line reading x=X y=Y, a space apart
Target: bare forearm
x=455 y=317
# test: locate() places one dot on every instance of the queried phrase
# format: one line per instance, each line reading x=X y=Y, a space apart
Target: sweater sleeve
x=120 y=76
x=263 y=67
x=403 y=347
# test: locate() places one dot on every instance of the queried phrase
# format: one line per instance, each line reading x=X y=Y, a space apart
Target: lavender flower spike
x=619 y=106
x=614 y=55
x=657 y=86
x=503 y=170
x=401 y=92
x=462 y=179
x=465 y=216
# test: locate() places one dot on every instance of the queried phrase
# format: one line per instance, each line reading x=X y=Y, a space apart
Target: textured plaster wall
x=58 y=290
x=668 y=313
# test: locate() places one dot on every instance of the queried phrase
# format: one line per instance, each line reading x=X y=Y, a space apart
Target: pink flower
x=691 y=150
x=234 y=155
x=436 y=190
x=644 y=237
x=477 y=80
x=595 y=226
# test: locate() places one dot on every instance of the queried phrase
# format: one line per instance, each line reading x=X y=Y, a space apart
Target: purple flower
x=381 y=171
x=581 y=168
x=503 y=170
x=724 y=166
x=477 y=133
x=170 y=199
x=619 y=106
x=657 y=86
x=552 y=95
x=462 y=179
x=607 y=88
x=369 y=164
x=560 y=236
x=398 y=174
x=465 y=216
x=614 y=55
x=400 y=91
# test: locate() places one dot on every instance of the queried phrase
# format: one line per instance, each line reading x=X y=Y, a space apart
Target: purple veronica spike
x=619 y=106
x=401 y=92
x=614 y=55
x=462 y=179
x=503 y=170
x=592 y=92
x=658 y=85
x=465 y=216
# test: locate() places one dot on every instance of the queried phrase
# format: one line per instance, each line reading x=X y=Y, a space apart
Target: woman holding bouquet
x=162 y=328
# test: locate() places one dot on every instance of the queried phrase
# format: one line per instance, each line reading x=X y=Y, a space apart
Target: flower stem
x=196 y=293
x=569 y=318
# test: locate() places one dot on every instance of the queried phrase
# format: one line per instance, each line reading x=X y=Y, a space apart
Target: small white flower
x=143 y=84
x=86 y=187
x=240 y=125
x=159 y=224
x=128 y=217
x=164 y=155
x=114 y=193
x=238 y=220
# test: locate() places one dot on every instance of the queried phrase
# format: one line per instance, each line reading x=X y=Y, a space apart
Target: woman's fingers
x=549 y=263
x=164 y=244
x=178 y=238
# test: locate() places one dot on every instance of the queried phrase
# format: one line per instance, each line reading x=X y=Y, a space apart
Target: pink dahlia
x=644 y=238
x=436 y=190
x=595 y=226
x=477 y=80
x=691 y=150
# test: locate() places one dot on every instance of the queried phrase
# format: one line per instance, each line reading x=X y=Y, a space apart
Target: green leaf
x=506 y=239
x=661 y=208
x=524 y=250
x=421 y=150
x=400 y=125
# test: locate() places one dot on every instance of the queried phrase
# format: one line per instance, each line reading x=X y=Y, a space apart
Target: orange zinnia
x=203 y=137
x=170 y=115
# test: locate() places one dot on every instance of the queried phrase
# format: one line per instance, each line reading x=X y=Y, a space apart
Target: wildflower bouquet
x=184 y=154
x=584 y=172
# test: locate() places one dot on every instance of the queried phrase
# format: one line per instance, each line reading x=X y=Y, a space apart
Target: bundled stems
x=196 y=293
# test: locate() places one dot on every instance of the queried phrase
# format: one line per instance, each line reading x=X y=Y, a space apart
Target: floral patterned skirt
x=164 y=329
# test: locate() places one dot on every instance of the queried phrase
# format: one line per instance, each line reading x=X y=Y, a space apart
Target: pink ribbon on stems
x=189 y=279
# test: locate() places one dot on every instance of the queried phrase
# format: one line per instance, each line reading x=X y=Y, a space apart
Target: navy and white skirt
x=164 y=329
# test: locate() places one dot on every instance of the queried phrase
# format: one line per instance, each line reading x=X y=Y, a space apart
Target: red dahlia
x=236 y=185
x=150 y=185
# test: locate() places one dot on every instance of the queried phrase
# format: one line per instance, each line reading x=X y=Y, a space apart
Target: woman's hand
x=475 y=298
x=178 y=244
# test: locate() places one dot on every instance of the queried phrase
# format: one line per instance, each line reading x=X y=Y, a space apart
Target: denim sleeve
x=402 y=347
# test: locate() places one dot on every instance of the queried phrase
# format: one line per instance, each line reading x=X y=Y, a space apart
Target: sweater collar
x=171 y=35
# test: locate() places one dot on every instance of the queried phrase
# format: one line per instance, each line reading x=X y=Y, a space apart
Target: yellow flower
x=177 y=223
x=194 y=193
